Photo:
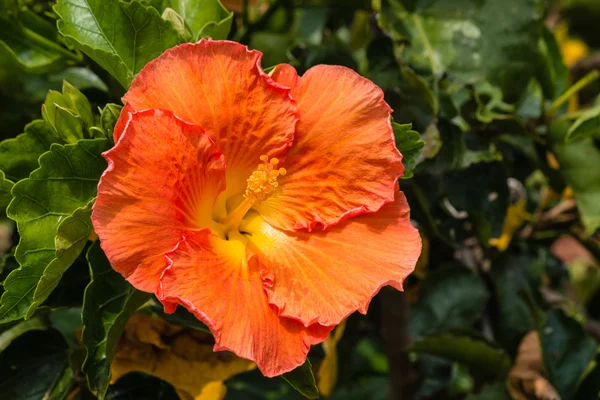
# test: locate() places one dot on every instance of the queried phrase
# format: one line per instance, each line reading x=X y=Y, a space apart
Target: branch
x=394 y=329
x=589 y=63
x=593 y=327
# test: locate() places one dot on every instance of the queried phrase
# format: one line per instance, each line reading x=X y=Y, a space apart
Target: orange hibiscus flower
x=268 y=206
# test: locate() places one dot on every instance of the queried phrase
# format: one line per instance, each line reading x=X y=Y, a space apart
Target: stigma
x=263 y=182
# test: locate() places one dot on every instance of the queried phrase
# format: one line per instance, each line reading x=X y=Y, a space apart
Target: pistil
x=259 y=186
x=233 y=220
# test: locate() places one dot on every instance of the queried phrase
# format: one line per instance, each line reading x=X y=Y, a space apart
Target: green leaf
x=408 y=93
x=50 y=208
x=137 y=385
x=7 y=265
x=372 y=354
x=24 y=49
x=80 y=77
x=121 y=37
x=9 y=9
x=410 y=145
x=383 y=69
x=303 y=380
x=5 y=196
x=108 y=118
x=28 y=44
x=68 y=322
x=416 y=98
x=551 y=72
x=108 y=303
x=466 y=40
x=579 y=162
x=567 y=351
x=586 y=126
x=70 y=289
x=69 y=114
x=9 y=335
x=19 y=156
x=33 y=366
x=590 y=386
x=515 y=277
x=474 y=353
x=451 y=297
x=309 y=24
x=63 y=384
x=275 y=47
x=452 y=152
x=70 y=239
x=206 y=18
x=179 y=24
x=371 y=387
x=494 y=107
x=482 y=191
x=67 y=118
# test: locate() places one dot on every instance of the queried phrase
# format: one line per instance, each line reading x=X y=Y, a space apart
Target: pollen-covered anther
x=263 y=182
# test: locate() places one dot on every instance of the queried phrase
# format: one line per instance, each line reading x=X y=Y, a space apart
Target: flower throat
x=259 y=186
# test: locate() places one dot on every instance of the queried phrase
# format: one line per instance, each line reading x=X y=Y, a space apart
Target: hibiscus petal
x=343 y=161
x=322 y=277
x=220 y=86
x=285 y=75
x=122 y=121
x=162 y=178
x=213 y=280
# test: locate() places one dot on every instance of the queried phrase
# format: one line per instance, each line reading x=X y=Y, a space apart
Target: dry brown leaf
x=6 y=230
x=526 y=380
x=183 y=357
x=584 y=270
x=569 y=250
x=237 y=5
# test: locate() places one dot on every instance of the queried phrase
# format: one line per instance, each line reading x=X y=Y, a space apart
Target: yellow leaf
x=183 y=357
x=211 y=391
x=328 y=370
x=572 y=49
x=526 y=380
x=515 y=217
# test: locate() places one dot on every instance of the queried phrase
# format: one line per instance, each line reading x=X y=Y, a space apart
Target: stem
x=245 y=18
x=35 y=323
x=587 y=64
x=49 y=44
x=394 y=329
x=580 y=84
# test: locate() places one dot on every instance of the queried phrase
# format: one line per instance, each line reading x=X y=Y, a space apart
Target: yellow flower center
x=263 y=181
x=259 y=186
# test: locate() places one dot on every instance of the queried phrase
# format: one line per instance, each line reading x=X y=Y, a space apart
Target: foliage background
x=503 y=178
